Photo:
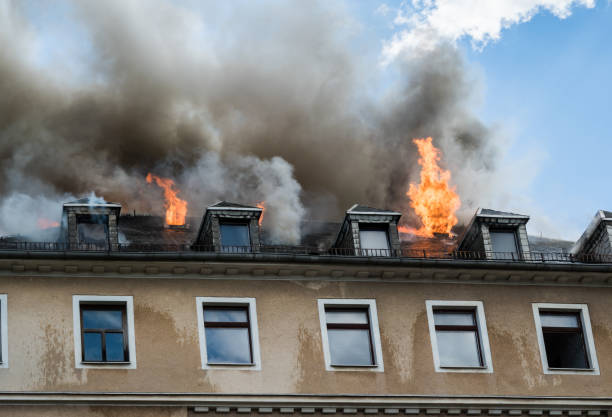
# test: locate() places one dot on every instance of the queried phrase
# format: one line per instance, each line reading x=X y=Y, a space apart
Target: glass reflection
x=228 y=345
x=559 y=320
x=225 y=315
x=454 y=318
x=373 y=239
x=350 y=347
x=114 y=347
x=458 y=348
x=339 y=316
x=103 y=319
x=235 y=235
x=92 y=349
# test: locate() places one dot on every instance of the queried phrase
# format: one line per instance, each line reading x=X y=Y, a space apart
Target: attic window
x=504 y=244
x=374 y=240
x=235 y=237
x=92 y=229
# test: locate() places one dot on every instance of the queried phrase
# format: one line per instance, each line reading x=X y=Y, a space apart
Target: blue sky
x=545 y=82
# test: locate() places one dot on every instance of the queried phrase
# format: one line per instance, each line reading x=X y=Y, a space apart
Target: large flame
x=433 y=199
x=176 y=209
x=262 y=206
x=44 y=223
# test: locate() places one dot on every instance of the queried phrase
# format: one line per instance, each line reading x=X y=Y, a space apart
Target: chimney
x=230 y=227
x=499 y=235
x=596 y=241
x=91 y=223
x=368 y=231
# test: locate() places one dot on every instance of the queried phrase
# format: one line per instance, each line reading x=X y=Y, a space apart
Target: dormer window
x=374 y=239
x=234 y=236
x=504 y=244
x=92 y=230
x=91 y=223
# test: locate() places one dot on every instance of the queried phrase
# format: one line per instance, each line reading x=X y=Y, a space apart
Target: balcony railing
x=533 y=257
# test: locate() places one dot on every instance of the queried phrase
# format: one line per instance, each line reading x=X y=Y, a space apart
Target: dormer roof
x=597 y=238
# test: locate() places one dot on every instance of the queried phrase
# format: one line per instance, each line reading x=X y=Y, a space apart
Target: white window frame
x=4 y=331
x=229 y=301
x=128 y=301
x=587 y=333
x=481 y=322
x=374 y=332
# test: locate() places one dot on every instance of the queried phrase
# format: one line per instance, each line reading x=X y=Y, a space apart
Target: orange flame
x=433 y=199
x=176 y=209
x=262 y=206
x=43 y=223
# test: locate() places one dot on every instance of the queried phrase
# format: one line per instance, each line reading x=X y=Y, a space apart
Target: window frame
x=582 y=310
x=4 y=363
x=103 y=332
x=235 y=222
x=229 y=302
x=127 y=303
x=481 y=330
x=375 y=341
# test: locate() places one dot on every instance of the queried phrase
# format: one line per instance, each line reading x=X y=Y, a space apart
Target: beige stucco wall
x=92 y=411
x=41 y=351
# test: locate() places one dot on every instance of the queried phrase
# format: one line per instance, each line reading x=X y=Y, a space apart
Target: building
x=123 y=316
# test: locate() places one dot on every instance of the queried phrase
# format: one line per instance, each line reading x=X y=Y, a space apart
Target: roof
x=361 y=209
x=232 y=206
x=91 y=202
x=497 y=213
x=601 y=215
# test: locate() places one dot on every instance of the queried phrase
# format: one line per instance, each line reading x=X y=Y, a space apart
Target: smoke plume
x=263 y=101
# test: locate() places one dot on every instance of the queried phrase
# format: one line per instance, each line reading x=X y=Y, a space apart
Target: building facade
x=135 y=332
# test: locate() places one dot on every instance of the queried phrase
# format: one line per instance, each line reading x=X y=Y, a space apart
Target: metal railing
x=533 y=257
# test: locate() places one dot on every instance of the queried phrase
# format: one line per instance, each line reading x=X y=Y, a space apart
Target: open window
x=565 y=338
x=228 y=333
x=351 y=338
x=458 y=333
x=104 y=332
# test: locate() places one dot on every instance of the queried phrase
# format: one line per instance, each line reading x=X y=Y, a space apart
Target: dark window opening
x=458 y=338
x=92 y=230
x=228 y=335
x=235 y=237
x=374 y=239
x=103 y=333
x=505 y=245
x=349 y=336
x=564 y=340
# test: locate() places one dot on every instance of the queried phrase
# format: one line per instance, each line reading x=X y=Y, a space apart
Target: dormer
x=368 y=231
x=91 y=223
x=596 y=241
x=229 y=227
x=496 y=234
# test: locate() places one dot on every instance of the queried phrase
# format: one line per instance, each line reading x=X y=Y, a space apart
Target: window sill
x=353 y=366
x=464 y=367
x=229 y=364
x=104 y=363
x=586 y=370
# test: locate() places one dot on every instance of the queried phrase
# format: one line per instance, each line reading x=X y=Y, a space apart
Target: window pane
x=225 y=315
x=373 y=239
x=565 y=350
x=235 y=235
x=454 y=318
x=93 y=233
x=102 y=319
x=224 y=345
x=559 y=320
x=114 y=347
x=350 y=347
x=504 y=242
x=353 y=317
x=92 y=349
x=458 y=348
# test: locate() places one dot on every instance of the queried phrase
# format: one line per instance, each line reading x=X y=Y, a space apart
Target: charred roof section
x=497 y=234
x=230 y=227
x=91 y=222
x=368 y=231
x=597 y=238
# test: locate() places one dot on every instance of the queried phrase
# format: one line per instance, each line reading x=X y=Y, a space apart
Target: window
x=565 y=338
x=458 y=334
x=3 y=332
x=228 y=332
x=235 y=237
x=504 y=244
x=374 y=240
x=351 y=338
x=104 y=331
x=92 y=229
